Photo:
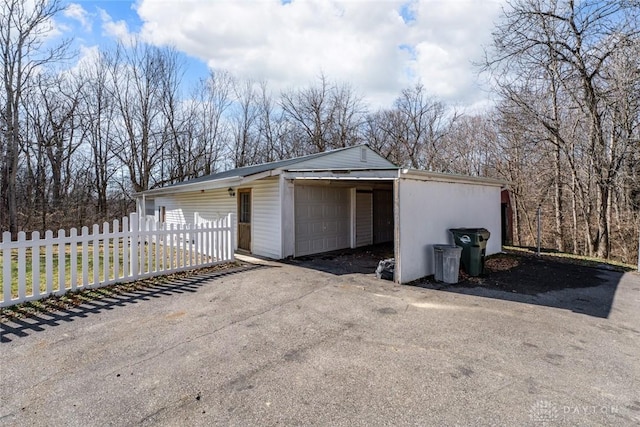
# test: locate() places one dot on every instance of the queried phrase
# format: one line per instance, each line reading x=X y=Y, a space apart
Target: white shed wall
x=427 y=209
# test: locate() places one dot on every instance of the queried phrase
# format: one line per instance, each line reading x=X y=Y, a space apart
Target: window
x=363 y=154
x=150 y=207
x=245 y=207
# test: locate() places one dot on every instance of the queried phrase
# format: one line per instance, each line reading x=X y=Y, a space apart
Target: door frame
x=245 y=227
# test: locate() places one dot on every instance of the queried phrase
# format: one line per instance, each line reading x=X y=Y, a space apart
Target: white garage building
x=345 y=198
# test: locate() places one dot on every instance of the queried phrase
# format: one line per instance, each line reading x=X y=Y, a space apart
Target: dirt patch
x=347 y=261
x=528 y=274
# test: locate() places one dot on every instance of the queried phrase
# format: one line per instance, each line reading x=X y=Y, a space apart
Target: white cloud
x=116 y=29
x=379 y=47
x=77 y=12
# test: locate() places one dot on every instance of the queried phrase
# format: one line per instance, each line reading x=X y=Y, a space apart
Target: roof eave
x=444 y=177
x=212 y=184
x=194 y=186
x=342 y=174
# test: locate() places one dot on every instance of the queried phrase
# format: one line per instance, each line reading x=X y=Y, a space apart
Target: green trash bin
x=474 y=248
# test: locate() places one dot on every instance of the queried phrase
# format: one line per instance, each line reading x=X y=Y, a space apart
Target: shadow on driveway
x=513 y=276
x=546 y=281
x=39 y=321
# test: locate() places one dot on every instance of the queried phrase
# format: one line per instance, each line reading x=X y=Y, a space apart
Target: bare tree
x=23 y=29
x=207 y=130
x=411 y=133
x=547 y=50
x=271 y=127
x=324 y=116
x=244 y=122
x=97 y=115
x=144 y=81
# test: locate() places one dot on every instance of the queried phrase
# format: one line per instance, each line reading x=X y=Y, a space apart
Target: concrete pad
x=280 y=344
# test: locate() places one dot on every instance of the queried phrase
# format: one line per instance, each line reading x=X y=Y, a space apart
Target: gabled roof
x=252 y=170
x=308 y=162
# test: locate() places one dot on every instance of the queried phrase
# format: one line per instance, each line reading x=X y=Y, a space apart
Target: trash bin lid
x=443 y=247
x=467 y=235
x=448 y=249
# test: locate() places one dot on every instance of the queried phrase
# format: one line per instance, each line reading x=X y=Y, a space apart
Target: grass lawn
x=42 y=267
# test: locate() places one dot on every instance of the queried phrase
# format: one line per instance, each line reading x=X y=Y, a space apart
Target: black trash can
x=474 y=247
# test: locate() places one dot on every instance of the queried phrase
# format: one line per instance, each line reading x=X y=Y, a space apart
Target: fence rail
x=121 y=252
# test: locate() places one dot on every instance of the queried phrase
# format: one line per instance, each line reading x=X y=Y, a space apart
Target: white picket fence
x=123 y=252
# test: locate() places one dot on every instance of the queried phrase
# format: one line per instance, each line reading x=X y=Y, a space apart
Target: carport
x=346 y=198
x=335 y=211
x=413 y=209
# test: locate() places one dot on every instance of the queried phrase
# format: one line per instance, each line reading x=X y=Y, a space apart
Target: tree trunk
x=601 y=244
x=557 y=205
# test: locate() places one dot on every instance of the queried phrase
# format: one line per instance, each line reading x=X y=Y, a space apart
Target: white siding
x=266 y=239
x=428 y=209
x=211 y=205
x=350 y=158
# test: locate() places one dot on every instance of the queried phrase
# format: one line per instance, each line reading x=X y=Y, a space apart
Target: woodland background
x=564 y=131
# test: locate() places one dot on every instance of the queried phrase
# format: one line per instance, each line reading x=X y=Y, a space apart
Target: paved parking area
x=286 y=345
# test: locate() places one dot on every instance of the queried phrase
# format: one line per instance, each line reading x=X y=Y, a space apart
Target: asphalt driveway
x=287 y=345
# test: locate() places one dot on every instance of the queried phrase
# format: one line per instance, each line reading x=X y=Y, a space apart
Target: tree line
x=77 y=143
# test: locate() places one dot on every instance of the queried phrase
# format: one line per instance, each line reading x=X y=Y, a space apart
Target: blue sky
x=100 y=23
x=378 y=46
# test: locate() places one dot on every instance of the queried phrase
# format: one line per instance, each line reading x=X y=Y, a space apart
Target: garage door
x=321 y=219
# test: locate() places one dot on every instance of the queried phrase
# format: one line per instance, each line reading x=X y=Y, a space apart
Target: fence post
x=62 y=265
x=105 y=253
x=73 y=258
x=135 y=244
x=232 y=237
x=48 y=237
x=116 y=250
x=85 y=256
x=6 y=268
x=96 y=255
x=22 y=267
x=35 y=263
